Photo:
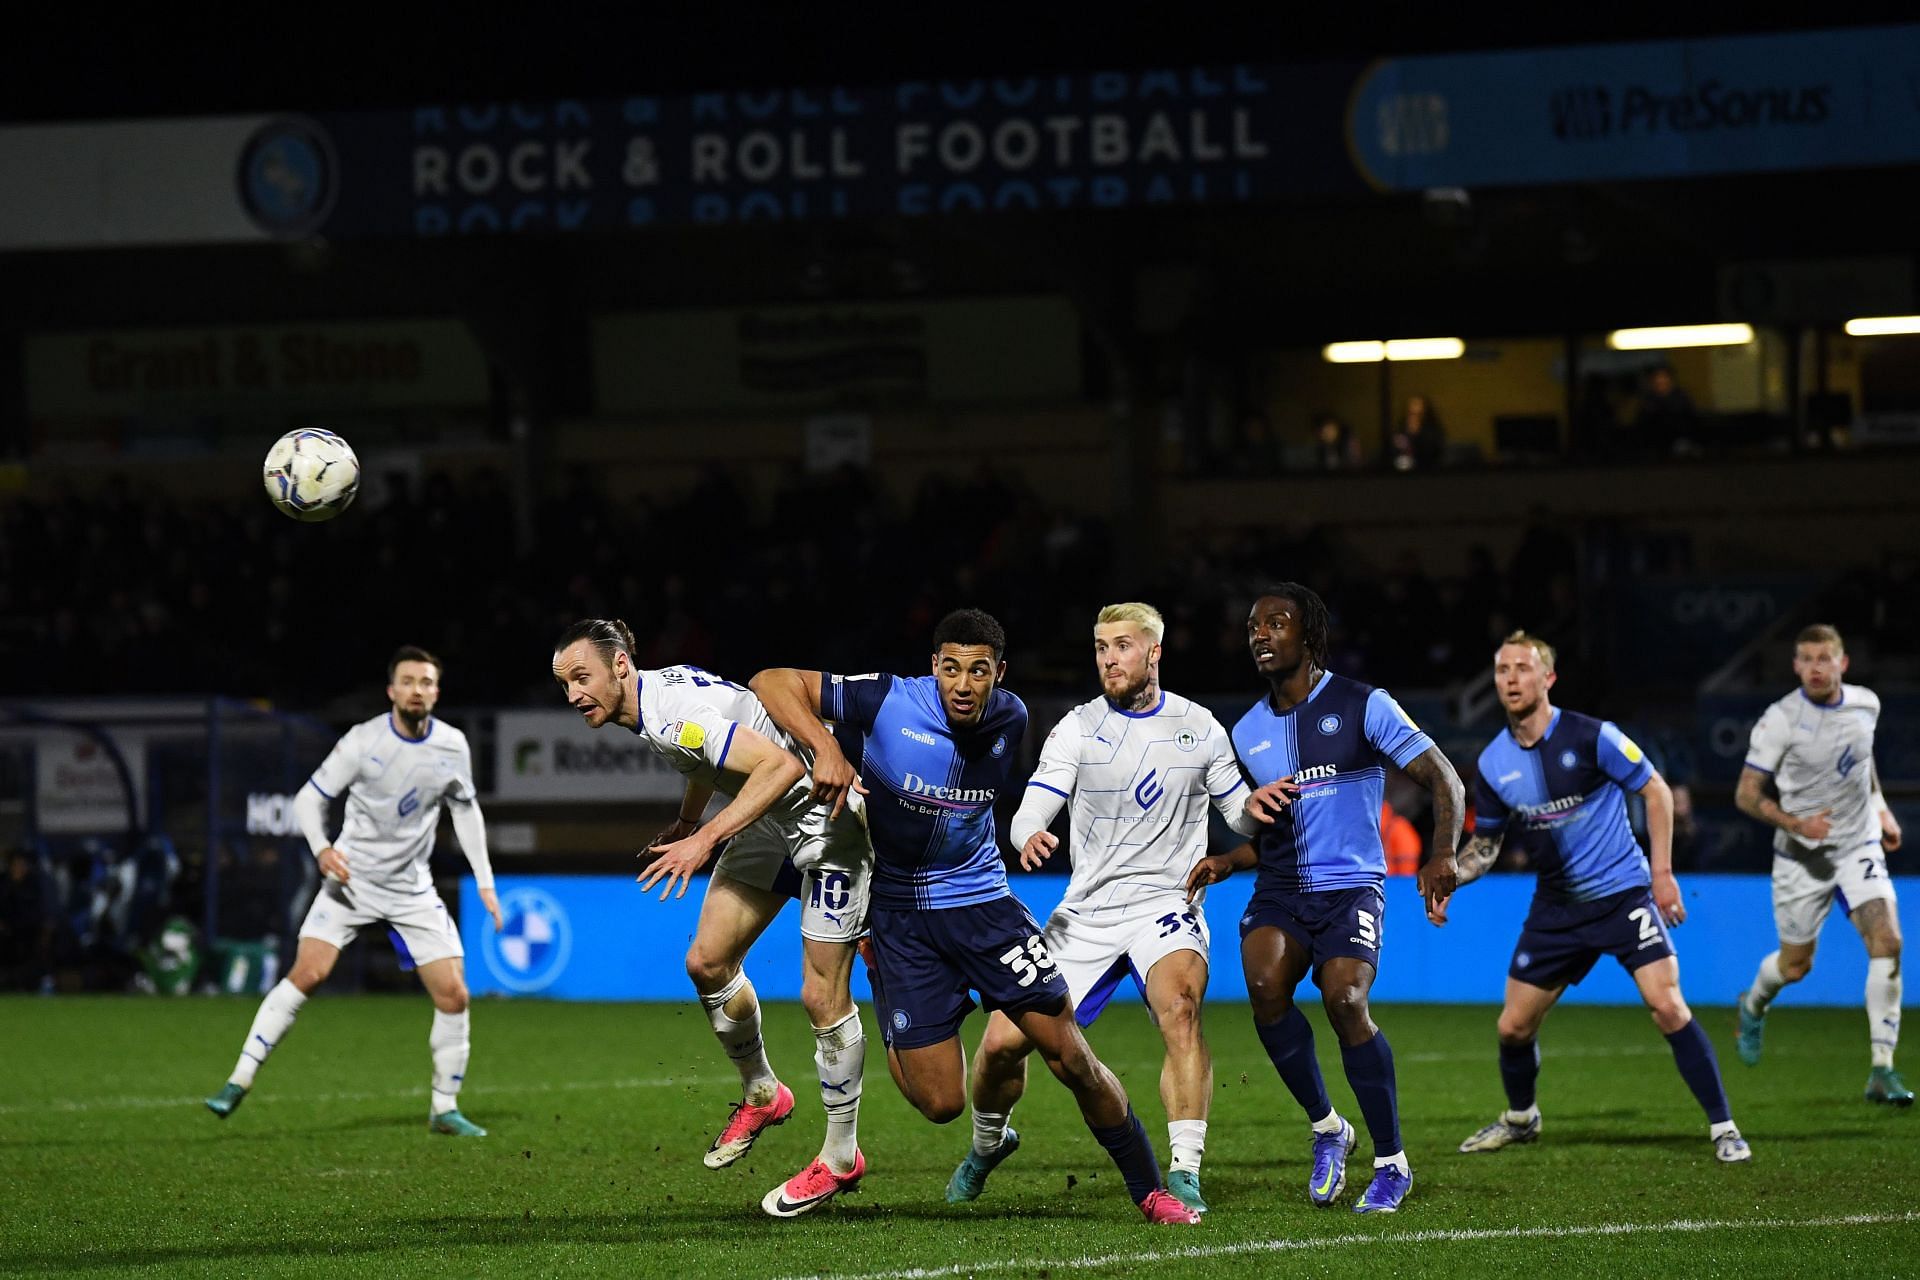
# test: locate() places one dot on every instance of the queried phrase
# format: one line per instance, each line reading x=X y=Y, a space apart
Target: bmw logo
x=1000 y=745
x=288 y=177
x=1330 y=724
x=1567 y=759
x=900 y=1020
x=530 y=950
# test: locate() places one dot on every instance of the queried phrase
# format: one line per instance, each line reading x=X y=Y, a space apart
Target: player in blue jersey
x=1325 y=741
x=935 y=753
x=1560 y=780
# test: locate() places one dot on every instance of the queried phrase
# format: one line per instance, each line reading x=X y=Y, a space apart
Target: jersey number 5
x=1027 y=962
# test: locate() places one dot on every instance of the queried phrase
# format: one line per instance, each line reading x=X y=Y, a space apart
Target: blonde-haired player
x=1139 y=766
x=395 y=771
x=1832 y=834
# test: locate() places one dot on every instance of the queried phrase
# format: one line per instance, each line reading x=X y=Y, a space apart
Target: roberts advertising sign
x=553 y=755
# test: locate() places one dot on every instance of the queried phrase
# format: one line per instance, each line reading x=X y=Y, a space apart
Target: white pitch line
x=1192 y=1253
x=372 y=1095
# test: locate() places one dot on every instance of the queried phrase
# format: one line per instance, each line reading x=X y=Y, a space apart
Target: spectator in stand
x=1419 y=442
x=1667 y=422
x=1259 y=452
x=1334 y=445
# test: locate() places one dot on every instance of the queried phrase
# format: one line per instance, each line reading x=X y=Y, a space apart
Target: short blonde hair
x=1821 y=633
x=1534 y=643
x=1144 y=616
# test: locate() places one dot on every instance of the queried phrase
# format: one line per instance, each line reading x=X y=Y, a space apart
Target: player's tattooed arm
x=1751 y=798
x=1477 y=858
x=1438 y=875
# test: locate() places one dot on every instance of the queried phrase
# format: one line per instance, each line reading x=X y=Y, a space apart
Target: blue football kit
x=1565 y=799
x=944 y=920
x=1322 y=863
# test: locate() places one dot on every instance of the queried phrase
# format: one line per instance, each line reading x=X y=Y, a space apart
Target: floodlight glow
x=1425 y=349
x=1680 y=335
x=1354 y=352
x=1874 y=326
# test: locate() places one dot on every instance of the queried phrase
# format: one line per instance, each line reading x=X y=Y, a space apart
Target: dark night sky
x=79 y=64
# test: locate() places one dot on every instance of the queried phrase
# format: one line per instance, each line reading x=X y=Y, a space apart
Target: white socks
x=451 y=1045
x=1187 y=1142
x=1330 y=1124
x=840 y=1052
x=1883 y=1007
x=741 y=1039
x=269 y=1025
x=1521 y=1117
x=1398 y=1160
x=989 y=1131
x=1766 y=985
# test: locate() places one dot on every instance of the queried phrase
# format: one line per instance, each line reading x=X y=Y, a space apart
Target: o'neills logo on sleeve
x=915 y=785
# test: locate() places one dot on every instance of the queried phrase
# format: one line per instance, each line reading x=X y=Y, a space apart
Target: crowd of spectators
x=128 y=592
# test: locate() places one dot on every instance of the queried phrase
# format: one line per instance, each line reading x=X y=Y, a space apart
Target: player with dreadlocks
x=1316 y=749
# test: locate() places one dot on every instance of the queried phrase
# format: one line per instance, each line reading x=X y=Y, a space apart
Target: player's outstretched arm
x=792 y=699
x=1666 y=890
x=770 y=769
x=1217 y=867
x=693 y=800
x=1438 y=875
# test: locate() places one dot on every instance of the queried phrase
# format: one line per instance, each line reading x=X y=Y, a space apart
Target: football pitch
x=600 y=1114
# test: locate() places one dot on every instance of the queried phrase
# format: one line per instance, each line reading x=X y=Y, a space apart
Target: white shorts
x=1803 y=892
x=1098 y=948
x=834 y=859
x=340 y=911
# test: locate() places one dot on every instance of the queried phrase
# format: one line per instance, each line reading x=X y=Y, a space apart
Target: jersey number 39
x=1027 y=962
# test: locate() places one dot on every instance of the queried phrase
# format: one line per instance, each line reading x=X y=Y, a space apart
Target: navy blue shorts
x=926 y=960
x=1562 y=941
x=1334 y=922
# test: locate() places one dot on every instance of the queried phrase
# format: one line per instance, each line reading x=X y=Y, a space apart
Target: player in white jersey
x=395 y=772
x=1139 y=766
x=1833 y=832
x=718 y=735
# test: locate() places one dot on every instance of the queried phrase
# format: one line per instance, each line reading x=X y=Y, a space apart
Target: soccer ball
x=311 y=474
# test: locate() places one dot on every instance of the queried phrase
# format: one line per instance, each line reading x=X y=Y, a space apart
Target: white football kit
x=1821 y=758
x=688 y=716
x=1139 y=784
x=393 y=787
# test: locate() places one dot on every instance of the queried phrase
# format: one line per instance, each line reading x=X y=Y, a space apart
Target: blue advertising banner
x=1670 y=109
x=1170 y=135
x=599 y=938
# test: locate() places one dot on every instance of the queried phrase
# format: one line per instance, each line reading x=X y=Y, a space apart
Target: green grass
x=600 y=1113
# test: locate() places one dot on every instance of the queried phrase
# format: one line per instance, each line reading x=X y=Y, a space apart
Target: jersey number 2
x=1649 y=928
